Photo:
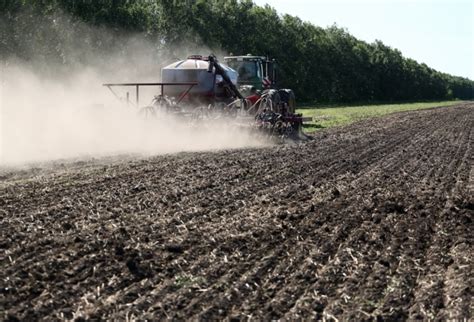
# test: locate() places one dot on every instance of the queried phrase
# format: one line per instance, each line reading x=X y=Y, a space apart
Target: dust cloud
x=51 y=111
x=45 y=119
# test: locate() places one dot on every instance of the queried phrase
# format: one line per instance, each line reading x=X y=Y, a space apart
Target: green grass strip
x=326 y=117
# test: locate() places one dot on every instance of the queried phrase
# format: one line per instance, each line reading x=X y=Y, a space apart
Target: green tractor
x=201 y=88
x=257 y=77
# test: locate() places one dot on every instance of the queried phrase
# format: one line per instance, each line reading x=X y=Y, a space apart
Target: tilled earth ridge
x=372 y=220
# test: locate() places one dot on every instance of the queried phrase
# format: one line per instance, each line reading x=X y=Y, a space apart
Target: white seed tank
x=194 y=69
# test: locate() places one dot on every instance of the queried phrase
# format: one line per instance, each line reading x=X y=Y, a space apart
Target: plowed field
x=372 y=220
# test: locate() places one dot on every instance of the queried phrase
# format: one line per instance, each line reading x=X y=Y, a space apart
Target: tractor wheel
x=288 y=96
x=272 y=101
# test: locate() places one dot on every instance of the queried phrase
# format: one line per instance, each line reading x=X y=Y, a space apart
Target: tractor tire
x=288 y=96
x=273 y=101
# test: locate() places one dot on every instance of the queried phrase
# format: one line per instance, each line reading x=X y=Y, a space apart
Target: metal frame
x=162 y=85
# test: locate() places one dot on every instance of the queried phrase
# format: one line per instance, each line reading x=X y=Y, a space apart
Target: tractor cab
x=254 y=71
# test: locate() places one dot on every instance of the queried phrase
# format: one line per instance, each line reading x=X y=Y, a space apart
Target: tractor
x=258 y=74
x=202 y=89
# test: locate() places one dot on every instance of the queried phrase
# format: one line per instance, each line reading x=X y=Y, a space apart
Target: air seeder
x=242 y=91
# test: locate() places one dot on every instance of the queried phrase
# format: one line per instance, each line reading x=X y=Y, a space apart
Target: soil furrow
x=368 y=221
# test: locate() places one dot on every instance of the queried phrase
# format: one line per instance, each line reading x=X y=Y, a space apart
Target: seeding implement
x=243 y=91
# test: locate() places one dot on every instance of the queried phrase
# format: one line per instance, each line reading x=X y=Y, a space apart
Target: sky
x=439 y=33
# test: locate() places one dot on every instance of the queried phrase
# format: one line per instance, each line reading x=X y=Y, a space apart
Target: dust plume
x=44 y=119
x=51 y=110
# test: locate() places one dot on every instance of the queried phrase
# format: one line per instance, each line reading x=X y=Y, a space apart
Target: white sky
x=439 y=33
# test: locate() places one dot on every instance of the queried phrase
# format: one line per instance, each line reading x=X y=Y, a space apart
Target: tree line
x=322 y=64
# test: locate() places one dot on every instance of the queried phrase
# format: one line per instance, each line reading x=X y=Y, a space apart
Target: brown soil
x=373 y=220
